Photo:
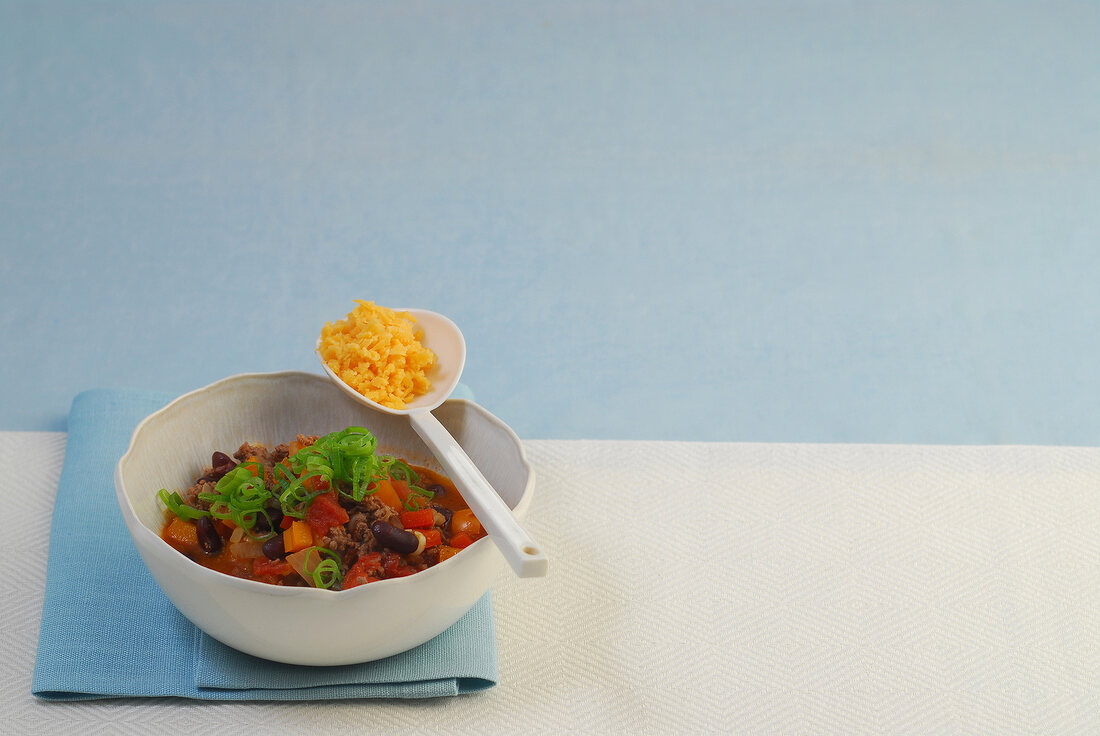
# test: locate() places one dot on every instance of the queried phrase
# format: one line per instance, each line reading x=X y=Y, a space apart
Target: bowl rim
x=159 y=546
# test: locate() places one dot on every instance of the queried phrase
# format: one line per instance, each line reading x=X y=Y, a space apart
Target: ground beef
x=430 y=556
x=191 y=496
x=283 y=451
x=358 y=527
x=248 y=450
x=351 y=541
x=374 y=509
x=442 y=516
x=340 y=542
x=261 y=453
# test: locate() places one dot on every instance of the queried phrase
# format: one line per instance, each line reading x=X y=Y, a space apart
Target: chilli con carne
x=329 y=512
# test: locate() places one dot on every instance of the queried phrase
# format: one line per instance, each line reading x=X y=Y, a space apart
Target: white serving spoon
x=443 y=338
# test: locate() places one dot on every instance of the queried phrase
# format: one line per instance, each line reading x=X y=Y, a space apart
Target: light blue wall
x=836 y=221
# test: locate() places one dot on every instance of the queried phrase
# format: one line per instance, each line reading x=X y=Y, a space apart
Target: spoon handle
x=515 y=544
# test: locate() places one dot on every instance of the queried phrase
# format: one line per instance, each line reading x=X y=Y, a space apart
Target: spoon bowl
x=442 y=337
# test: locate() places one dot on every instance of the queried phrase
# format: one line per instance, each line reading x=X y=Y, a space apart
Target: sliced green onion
x=240 y=496
x=326 y=572
x=219 y=509
x=345 y=459
x=398 y=469
x=176 y=505
x=296 y=499
x=247 y=521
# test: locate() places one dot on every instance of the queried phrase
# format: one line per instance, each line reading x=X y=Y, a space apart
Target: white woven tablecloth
x=702 y=588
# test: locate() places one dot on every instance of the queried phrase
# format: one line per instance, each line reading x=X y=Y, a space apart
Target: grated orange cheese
x=378 y=352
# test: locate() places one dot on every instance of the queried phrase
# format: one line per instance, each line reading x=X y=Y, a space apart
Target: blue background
x=776 y=221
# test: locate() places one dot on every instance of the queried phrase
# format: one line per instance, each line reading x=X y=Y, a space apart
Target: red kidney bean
x=209 y=539
x=219 y=460
x=268 y=520
x=391 y=537
x=437 y=490
x=273 y=548
x=220 y=464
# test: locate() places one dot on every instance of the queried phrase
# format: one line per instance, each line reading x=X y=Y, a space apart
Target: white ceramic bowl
x=170 y=448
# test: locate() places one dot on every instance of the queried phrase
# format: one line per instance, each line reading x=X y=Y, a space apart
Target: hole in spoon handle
x=514 y=542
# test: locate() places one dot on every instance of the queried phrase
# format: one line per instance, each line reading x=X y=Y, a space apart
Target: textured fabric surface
x=724 y=588
x=107 y=630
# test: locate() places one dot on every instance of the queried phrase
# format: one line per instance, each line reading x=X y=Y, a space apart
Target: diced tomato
x=395 y=566
x=286 y=522
x=367 y=569
x=277 y=568
x=315 y=483
x=324 y=513
x=462 y=540
x=422 y=519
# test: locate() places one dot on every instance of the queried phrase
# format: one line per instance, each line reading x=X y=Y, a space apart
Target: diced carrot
x=408 y=498
x=281 y=471
x=254 y=469
x=297 y=537
x=182 y=535
x=385 y=493
x=462 y=541
x=421 y=519
x=401 y=488
x=300 y=442
x=432 y=537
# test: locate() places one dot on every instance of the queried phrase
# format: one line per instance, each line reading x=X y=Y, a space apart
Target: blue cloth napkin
x=108 y=630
